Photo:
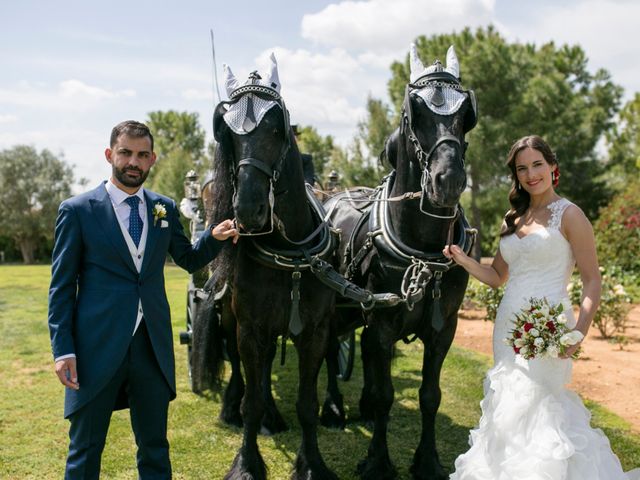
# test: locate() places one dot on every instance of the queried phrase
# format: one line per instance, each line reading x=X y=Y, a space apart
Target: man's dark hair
x=130 y=128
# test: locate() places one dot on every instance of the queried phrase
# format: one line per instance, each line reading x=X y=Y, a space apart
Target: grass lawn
x=33 y=434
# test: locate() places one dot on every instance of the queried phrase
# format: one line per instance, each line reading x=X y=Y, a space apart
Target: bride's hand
x=454 y=252
x=571 y=350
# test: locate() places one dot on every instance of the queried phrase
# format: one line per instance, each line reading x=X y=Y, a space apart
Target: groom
x=108 y=313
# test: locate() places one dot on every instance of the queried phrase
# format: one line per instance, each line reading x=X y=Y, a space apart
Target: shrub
x=483 y=296
x=617 y=231
x=611 y=317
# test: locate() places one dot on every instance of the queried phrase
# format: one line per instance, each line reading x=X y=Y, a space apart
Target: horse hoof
x=272 y=425
x=429 y=470
x=231 y=418
x=376 y=469
x=247 y=467
x=315 y=470
x=332 y=416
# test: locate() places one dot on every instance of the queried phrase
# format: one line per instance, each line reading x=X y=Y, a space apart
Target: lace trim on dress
x=557 y=209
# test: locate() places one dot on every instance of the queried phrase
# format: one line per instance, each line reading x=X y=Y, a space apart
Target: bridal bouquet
x=541 y=330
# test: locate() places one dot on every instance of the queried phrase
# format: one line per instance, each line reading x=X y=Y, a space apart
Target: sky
x=70 y=71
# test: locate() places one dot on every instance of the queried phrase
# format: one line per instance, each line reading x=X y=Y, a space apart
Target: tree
x=180 y=146
x=319 y=147
x=32 y=186
x=359 y=164
x=523 y=89
x=624 y=144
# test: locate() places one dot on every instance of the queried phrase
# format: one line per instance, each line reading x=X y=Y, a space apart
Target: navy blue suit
x=93 y=305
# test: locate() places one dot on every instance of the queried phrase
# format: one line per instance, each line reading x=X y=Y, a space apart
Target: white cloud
x=326 y=90
x=385 y=26
x=8 y=118
x=80 y=90
x=197 y=94
x=72 y=94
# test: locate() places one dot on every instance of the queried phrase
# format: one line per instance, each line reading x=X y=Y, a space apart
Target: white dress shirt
x=123 y=211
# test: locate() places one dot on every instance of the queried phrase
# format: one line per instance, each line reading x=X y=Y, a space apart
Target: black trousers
x=148 y=394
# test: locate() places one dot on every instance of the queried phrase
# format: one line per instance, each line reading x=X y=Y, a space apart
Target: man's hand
x=225 y=230
x=67 y=374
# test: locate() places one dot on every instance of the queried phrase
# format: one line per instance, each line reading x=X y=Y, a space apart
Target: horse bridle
x=273 y=173
x=424 y=159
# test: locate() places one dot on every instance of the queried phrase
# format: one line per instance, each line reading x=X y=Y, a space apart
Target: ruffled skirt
x=533 y=428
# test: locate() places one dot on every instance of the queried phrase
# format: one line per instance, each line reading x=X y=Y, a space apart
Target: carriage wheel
x=346 y=355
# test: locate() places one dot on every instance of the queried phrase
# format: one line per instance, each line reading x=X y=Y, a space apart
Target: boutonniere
x=159 y=212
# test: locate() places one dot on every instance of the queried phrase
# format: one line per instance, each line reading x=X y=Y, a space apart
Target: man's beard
x=127 y=181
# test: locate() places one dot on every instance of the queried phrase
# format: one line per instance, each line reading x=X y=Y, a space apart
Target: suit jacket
x=95 y=288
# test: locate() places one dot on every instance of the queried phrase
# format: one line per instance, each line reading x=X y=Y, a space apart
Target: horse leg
x=311 y=353
x=377 y=347
x=248 y=463
x=272 y=421
x=333 y=415
x=230 y=413
x=365 y=404
x=426 y=462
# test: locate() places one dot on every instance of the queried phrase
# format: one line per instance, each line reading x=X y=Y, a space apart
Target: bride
x=532 y=427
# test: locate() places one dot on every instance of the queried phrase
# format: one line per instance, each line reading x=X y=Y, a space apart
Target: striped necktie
x=135 y=222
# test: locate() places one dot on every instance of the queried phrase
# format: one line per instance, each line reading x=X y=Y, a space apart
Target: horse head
x=436 y=114
x=253 y=133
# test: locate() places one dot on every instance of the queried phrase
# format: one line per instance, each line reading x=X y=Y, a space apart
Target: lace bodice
x=540 y=262
x=540 y=265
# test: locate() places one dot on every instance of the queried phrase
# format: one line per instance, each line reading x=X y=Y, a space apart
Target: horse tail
x=209 y=333
x=207 y=362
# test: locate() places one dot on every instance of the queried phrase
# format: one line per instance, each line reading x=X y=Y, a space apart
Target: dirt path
x=604 y=373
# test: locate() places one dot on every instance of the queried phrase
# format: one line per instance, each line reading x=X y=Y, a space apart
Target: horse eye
x=276 y=131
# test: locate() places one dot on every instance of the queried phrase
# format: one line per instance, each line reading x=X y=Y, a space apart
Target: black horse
x=392 y=241
x=263 y=287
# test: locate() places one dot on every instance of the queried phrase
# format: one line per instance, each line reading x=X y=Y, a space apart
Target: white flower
x=571 y=338
x=570 y=287
x=539 y=342
x=524 y=350
x=552 y=351
x=619 y=290
x=519 y=343
x=561 y=319
x=544 y=310
x=534 y=332
x=159 y=212
x=526 y=306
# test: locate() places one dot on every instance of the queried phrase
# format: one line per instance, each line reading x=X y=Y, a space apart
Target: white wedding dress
x=532 y=427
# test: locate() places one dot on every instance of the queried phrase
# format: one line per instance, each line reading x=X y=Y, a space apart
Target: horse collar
x=389 y=242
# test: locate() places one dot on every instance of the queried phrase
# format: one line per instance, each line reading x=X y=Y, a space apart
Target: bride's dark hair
x=519 y=198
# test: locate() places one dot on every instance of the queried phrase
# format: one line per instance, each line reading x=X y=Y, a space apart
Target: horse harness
x=419 y=267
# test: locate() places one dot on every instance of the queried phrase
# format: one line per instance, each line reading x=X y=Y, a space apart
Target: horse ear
x=453 y=66
x=471 y=117
x=230 y=80
x=218 y=122
x=273 y=80
x=415 y=63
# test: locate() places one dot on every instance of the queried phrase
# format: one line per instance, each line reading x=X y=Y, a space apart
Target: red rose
x=517 y=334
x=528 y=326
x=551 y=326
x=516 y=349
